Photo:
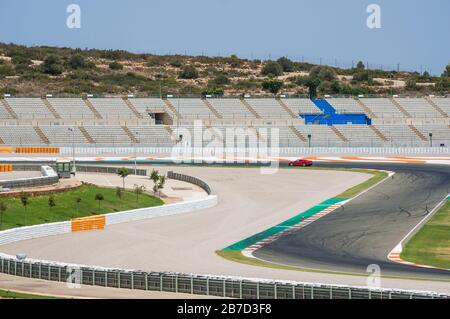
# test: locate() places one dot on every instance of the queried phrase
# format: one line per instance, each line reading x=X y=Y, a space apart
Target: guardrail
x=190 y=179
x=232 y=287
x=30 y=182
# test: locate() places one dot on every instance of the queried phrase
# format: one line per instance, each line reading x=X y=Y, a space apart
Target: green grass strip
x=8 y=294
x=431 y=245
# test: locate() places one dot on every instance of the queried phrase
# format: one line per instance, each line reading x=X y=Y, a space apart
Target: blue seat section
x=330 y=117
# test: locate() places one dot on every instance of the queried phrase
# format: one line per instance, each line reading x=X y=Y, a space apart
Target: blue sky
x=414 y=33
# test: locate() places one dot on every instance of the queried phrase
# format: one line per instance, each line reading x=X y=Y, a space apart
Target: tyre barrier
x=37 y=150
x=88 y=223
x=6 y=168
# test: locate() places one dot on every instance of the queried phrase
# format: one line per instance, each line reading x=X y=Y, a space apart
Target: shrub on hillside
x=189 y=72
x=272 y=69
x=272 y=85
x=115 y=66
x=52 y=65
x=323 y=73
x=286 y=64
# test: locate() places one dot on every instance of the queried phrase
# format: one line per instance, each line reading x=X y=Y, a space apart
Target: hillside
x=66 y=71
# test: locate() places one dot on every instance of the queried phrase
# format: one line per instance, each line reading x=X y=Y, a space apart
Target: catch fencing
x=231 y=287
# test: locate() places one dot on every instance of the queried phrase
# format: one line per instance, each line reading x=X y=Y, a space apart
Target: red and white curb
x=394 y=256
x=248 y=252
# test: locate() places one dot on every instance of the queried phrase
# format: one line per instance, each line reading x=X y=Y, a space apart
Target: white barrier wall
x=36 y=231
x=166 y=210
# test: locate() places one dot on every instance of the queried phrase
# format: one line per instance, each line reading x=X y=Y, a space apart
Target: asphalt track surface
x=366 y=229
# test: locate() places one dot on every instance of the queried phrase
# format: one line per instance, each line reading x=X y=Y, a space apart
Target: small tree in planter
x=51 y=202
x=138 y=190
x=123 y=172
x=25 y=200
x=99 y=197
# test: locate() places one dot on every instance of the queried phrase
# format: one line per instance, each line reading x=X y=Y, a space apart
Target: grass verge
x=66 y=206
x=8 y=294
x=431 y=245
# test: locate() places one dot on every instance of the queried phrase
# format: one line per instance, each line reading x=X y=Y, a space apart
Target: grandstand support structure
x=212 y=109
x=339 y=134
x=285 y=107
x=400 y=108
x=92 y=108
x=50 y=107
x=366 y=109
x=86 y=135
x=9 y=108
x=417 y=132
x=130 y=134
x=172 y=108
x=378 y=133
x=250 y=108
x=436 y=107
x=298 y=134
x=41 y=135
x=132 y=108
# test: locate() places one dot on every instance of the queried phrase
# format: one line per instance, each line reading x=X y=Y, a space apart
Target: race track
x=249 y=202
x=366 y=229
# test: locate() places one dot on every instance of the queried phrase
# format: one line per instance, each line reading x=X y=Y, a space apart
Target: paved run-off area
x=249 y=202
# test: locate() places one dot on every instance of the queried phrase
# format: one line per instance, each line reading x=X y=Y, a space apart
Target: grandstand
x=397 y=121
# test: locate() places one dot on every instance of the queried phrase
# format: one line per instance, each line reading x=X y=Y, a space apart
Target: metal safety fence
x=229 y=287
x=190 y=179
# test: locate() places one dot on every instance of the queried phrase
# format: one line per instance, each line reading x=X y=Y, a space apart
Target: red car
x=300 y=162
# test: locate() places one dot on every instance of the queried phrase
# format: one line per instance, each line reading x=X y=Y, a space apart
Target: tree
x=158 y=181
x=221 y=79
x=3 y=208
x=272 y=85
x=52 y=65
x=115 y=66
x=77 y=61
x=446 y=71
x=51 y=202
x=312 y=83
x=78 y=201
x=123 y=172
x=119 y=192
x=323 y=73
x=162 y=182
x=286 y=64
x=189 y=72
x=154 y=176
x=24 y=199
x=272 y=68
x=360 y=65
x=138 y=190
x=99 y=197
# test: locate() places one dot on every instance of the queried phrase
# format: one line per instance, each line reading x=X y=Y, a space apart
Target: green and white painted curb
x=252 y=243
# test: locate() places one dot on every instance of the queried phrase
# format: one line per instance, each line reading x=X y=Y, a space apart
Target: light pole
x=74 y=169
x=135 y=160
x=309 y=140
x=431 y=139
